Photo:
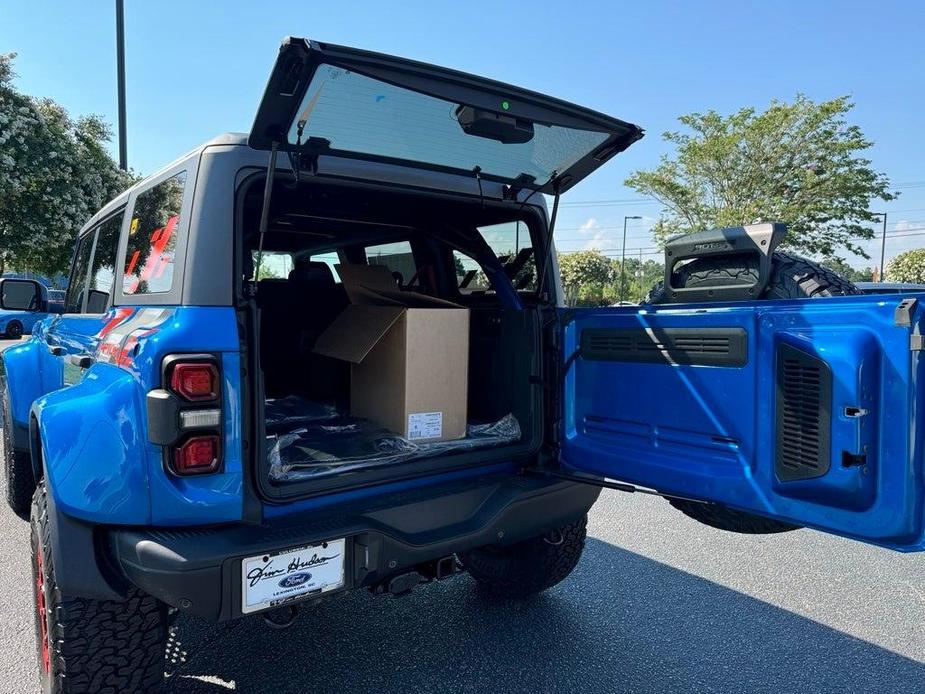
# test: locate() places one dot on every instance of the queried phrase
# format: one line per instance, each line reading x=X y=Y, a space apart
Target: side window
x=512 y=245
x=469 y=274
x=152 y=241
x=330 y=259
x=397 y=257
x=103 y=269
x=272 y=264
x=73 y=301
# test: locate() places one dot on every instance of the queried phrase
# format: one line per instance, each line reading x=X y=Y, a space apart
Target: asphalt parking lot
x=658 y=604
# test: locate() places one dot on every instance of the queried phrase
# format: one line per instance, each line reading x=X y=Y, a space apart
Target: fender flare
x=72 y=544
x=83 y=565
x=21 y=369
x=87 y=441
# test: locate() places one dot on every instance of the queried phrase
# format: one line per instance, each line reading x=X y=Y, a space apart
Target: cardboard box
x=409 y=356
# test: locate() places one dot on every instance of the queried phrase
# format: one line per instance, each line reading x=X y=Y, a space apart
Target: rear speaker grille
x=804 y=415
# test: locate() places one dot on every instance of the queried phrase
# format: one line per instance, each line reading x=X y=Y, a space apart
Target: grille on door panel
x=689 y=346
x=804 y=415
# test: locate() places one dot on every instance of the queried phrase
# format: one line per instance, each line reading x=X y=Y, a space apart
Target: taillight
x=198 y=455
x=194 y=381
x=186 y=417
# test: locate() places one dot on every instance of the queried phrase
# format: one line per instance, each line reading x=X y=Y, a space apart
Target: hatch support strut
x=549 y=232
x=265 y=210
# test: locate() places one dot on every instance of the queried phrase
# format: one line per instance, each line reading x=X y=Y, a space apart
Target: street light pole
x=882 y=246
x=120 y=77
x=623 y=256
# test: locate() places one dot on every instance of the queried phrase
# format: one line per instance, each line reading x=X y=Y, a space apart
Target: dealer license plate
x=270 y=580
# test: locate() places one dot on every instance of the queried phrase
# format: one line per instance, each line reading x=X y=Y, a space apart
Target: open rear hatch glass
x=323 y=99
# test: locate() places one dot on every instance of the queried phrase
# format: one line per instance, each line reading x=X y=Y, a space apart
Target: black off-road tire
x=93 y=646
x=724 y=518
x=14 y=330
x=792 y=277
x=18 y=475
x=528 y=567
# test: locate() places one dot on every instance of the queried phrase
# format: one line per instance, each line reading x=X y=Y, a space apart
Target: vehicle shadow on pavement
x=620 y=623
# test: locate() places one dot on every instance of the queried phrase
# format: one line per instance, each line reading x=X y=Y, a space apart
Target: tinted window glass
x=469 y=274
x=272 y=264
x=102 y=273
x=397 y=257
x=75 y=290
x=330 y=259
x=511 y=243
x=355 y=113
x=19 y=295
x=152 y=241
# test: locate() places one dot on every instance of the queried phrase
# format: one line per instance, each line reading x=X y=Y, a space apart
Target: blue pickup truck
x=181 y=441
x=23 y=303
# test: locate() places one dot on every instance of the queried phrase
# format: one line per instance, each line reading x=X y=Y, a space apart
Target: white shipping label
x=425 y=425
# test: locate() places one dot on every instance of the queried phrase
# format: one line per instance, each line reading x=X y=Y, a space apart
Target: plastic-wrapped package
x=322 y=449
x=288 y=413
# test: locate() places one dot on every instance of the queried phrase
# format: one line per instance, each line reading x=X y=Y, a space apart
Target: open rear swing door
x=326 y=100
x=807 y=411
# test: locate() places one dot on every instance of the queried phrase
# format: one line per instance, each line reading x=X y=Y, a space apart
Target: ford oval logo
x=295 y=580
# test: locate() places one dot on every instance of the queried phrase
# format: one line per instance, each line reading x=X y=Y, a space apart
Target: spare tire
x=792 y=277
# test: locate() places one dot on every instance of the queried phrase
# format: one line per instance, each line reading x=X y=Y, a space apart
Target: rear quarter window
x=73 y=302
x=102 y=271
x=152 y=241
x=397 y=257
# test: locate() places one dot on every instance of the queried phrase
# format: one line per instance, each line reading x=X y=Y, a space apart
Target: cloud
x=605 y=235
x=598 y=242
x=904 y=236
x=904 y=225
x=599 y=237
x=911 y=237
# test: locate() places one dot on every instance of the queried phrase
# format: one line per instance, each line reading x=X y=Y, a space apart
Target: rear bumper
x=198 y=570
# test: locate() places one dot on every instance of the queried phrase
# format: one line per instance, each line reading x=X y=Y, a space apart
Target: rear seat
x=294 y=313
x=313 y=282
x=278 y=312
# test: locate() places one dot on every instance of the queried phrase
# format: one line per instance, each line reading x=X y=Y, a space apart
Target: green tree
x=264 y=270
x=55 y=173
x=640 y=278
x=460 y=267
x=851 y=273
x=800 y=163
x=907 y=267
x=584 y=275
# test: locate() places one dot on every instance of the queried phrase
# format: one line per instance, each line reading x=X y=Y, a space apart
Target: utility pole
x=623 y=256
x=640 y=275
x=882 y=245
x=120 y=69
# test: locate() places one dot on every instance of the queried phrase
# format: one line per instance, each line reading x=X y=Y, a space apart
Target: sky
x=197 y=69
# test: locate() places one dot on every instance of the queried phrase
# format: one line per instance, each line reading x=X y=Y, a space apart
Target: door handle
x=81 y=361
x=56 y=350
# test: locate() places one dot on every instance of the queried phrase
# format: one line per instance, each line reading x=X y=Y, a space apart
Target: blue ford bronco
x=179 y=444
